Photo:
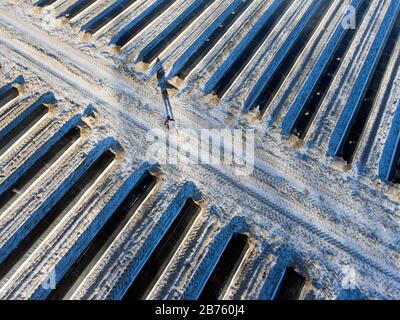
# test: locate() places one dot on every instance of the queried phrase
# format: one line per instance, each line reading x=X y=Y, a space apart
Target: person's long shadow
x=164 y=86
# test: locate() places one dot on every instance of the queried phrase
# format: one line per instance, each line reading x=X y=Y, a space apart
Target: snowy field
x=323 y=101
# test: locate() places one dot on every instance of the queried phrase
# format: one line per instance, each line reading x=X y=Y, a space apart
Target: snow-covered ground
x=300 y=206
